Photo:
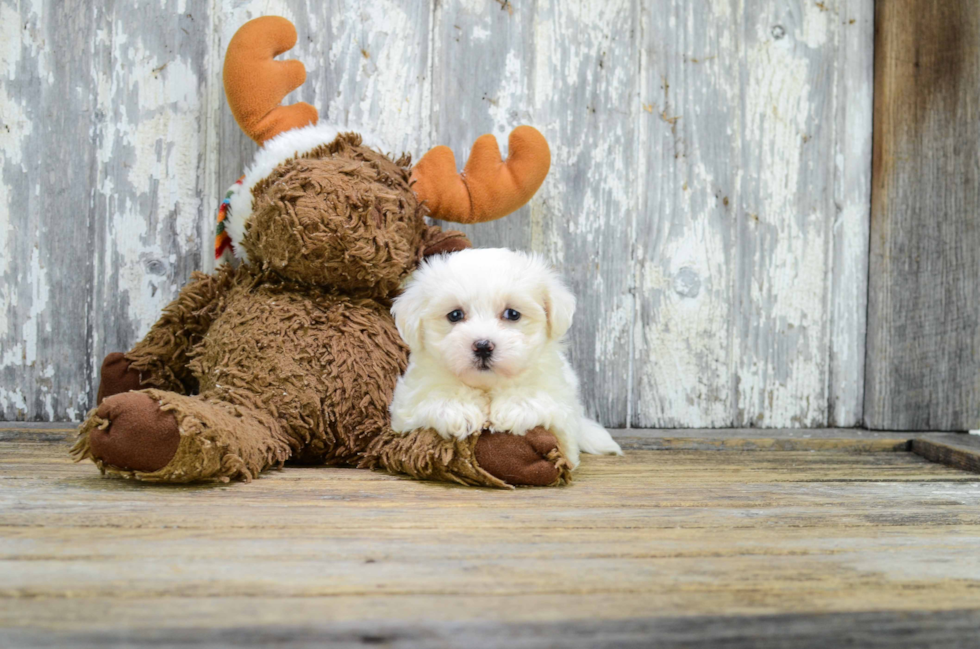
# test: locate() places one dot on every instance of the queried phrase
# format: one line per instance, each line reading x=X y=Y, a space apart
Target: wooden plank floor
x=792 y=544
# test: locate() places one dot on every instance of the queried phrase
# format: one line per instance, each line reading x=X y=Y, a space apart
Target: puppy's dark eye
x=511 y=314
x=455 y=315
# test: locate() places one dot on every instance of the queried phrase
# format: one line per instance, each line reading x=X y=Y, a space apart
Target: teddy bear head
x=329 y=208
x=341 y=214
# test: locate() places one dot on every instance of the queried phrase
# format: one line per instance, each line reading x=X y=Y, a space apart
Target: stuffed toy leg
x=159 y=436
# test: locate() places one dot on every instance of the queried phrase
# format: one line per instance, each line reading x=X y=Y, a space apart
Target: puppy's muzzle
x=483 y=350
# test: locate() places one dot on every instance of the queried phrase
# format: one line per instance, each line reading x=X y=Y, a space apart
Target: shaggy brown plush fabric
x=162 y=356
x=342 y=215
x=496 y=460
x=218 y=441
x=294 y=355
x=322 y=363
x=423 y=454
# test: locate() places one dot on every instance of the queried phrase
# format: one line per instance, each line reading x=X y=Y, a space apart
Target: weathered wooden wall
x=709 y=199
x=924 y=311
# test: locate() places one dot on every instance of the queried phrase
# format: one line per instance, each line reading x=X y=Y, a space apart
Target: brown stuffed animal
x=293 y=354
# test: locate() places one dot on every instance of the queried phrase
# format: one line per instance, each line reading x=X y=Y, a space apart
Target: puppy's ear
x=559 y=306
x=407 y=311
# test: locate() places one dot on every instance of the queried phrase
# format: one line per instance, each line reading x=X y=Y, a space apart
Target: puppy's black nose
x=483 y=349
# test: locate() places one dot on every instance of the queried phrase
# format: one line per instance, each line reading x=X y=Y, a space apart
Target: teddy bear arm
x=161 y=357
x=426 y=455
x=485 y=459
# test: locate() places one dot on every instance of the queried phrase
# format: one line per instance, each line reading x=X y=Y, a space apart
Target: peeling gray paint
x=708 y=199
x=750 y=107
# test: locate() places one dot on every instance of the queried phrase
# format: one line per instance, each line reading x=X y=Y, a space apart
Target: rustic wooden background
x=709 y=199
x=924 y=312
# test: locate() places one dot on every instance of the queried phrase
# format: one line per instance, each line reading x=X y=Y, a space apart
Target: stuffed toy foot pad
x=531 y=460
x=138 y=435
x=117 y=377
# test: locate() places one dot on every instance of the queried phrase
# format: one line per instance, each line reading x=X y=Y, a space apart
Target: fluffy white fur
x=528 y=380
x=273 y=153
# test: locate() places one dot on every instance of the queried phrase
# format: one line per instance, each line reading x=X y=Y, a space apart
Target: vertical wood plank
x=151 y=72
x=570 y=70
x=785 y=210
x=735 y=247
x=483 y=60
x=587 y=94
x=47 y=169
x=686 y=233
x=852 y=197
x=923 y=359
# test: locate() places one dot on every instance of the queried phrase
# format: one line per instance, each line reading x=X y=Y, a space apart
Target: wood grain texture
x=850 y=228
x=753 y=219
x=893 y=629
x=150 y=222
x=761 y=545
x=845 y=440
x=957 y=451
x=48 y=167
x=570 y=70
x=924 y=312
x=708 y=200
x=101 y=192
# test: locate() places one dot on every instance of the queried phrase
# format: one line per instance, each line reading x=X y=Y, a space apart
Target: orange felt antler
x=255 y=83
x=488 y=188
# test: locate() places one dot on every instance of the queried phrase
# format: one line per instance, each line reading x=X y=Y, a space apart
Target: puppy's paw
x=459 y=420
x=515 y=416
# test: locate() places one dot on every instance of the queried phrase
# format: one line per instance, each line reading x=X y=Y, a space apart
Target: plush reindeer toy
x=292 y=354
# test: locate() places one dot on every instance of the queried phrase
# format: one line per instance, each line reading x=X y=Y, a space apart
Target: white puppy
x=485 y=330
